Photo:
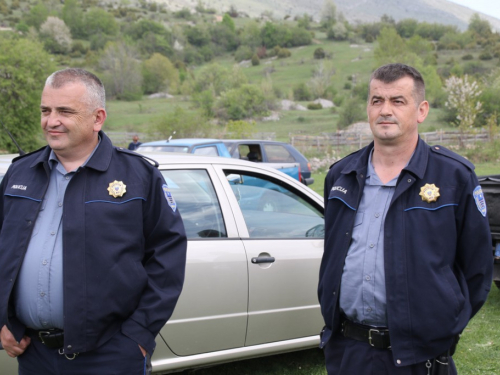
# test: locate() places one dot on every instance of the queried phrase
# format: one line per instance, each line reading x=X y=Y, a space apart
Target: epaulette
x=352 y=153
x=28 y=154
x=133 y=153
x=452 y=155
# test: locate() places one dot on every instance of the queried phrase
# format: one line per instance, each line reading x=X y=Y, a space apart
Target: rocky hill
x=439 y=11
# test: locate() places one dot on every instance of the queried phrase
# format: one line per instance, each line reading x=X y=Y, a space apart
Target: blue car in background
x=197 y=146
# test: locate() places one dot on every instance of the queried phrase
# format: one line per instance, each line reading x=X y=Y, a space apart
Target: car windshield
x=169 y=148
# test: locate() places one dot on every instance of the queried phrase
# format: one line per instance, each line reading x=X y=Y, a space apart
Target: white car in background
x=255 y=245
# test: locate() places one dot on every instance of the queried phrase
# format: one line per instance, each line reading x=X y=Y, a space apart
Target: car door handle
x=263 y=260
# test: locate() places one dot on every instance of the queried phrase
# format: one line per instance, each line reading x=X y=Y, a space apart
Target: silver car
x=255 y=245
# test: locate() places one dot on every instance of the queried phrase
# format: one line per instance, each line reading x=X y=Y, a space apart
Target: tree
x=321 y=80
x=185 y=124
x=56 y=35
x=73 y=16
x=37 y=15
x=121 y=71
x=250 y=35
x=481 y=28
x=352 y=111
x=24 y=66
x=463 y=94
x=390 y=46
x=328 y=14
x=243 y=102
x=159 y=74
x=228 y=22
x=98 y=21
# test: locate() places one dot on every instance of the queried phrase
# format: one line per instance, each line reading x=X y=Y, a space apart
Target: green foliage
x=98 y=21
x=223 y=36
x=250 y=35
x=352 y=111
x=37 y=15
x=243 y=53
x=337 y=32
x=185 y=124
x=205 y=100
x=121 y=71
x=255 y=60
x=283 y=53
x=406 y=28
x=240 y=103
x=433 y=31
x=391 y=47
x=468 y=57
x=73 y=17
x=455 y=40
x=240 y=129
x=282 y=35
x=197 y=35
x=328 y=14
x=314 y=106
x=24 y=68
x=301 y=92
x=218 y=79
x=184 y=13
x=228 y=22
x=319 y=53
x=481 y=28
x=485 y=55
x=158 y=74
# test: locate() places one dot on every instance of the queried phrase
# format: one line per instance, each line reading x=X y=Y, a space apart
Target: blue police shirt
x=39 y=287
x=362 y=290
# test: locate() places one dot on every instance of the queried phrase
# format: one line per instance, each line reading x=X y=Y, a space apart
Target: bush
x=486 y=55
x=314 y=106
x=352 y=111
x=243 y=102
x=319 y=53
x=255 y=60
x=468 y=57
x=301 y=92
x=347 y=86
x=284 y=53
x=243 y=53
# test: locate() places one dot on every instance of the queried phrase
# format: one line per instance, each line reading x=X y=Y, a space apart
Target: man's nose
x=386 y=109
x=52 y=119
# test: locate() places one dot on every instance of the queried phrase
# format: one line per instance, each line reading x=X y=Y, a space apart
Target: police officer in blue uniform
x=92 y=245
x=407 y=260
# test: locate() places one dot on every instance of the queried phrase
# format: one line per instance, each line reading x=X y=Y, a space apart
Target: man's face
x=393 y=112
x=69 y=125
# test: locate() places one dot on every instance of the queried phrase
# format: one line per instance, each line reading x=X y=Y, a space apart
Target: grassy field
x=478 y=351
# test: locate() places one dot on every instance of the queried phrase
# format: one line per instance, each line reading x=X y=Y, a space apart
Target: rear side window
x=197 y=202
x=206 y=151
x=278 y=154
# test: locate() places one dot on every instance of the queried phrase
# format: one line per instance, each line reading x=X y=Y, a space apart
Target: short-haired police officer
x=92 y=247
x=407 y=260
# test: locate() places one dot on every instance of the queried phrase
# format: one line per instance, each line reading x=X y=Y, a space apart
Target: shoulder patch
x=479 y=198
x=133 y=153
x=452 y=155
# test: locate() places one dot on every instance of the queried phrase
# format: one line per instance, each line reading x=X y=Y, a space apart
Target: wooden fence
x=359 y=139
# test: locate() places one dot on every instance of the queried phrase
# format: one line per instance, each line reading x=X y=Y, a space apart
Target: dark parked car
x=491 y=189
x=270 y=152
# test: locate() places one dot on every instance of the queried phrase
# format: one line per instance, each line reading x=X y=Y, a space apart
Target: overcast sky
x=489 y=7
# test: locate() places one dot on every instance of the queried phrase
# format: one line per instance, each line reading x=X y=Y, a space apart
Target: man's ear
x=423 y=111
x=100 y=117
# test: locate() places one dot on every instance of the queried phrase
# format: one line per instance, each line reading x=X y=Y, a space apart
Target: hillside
x=439 y=11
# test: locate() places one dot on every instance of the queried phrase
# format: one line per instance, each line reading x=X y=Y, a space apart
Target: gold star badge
x=429 y=193
x=117 y=188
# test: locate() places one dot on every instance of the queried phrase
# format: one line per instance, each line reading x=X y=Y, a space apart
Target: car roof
x=182 y=142
x=6 y=161
x=252 y=140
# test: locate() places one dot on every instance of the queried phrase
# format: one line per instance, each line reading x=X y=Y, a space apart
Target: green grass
x=478 y=351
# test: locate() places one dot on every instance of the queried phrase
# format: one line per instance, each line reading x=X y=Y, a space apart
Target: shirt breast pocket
x=358 y=220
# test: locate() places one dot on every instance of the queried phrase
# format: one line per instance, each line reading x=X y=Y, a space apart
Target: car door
x=211 y=313
x=284 y=245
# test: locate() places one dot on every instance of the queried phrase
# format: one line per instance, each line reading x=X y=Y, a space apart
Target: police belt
x=51 y=338
x=378 y=337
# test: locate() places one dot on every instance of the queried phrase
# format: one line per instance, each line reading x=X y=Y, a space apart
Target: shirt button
x=67 y=177
x=52 y=233
x=372 y=245
x=377 y=214
x=44 y=262
x=59 y=204
x=369 y=309
x=368 y=278
x=42 y=294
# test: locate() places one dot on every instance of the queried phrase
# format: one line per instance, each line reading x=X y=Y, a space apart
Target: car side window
x=197 y=202
x=273 y=210
x=206 y=151
x=278 y=154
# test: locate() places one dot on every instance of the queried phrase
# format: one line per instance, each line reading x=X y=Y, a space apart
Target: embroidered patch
x=479 y=198
x=170 y=199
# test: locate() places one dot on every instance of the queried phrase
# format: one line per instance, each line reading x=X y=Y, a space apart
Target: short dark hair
x=392 y=72
x=96 y=95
